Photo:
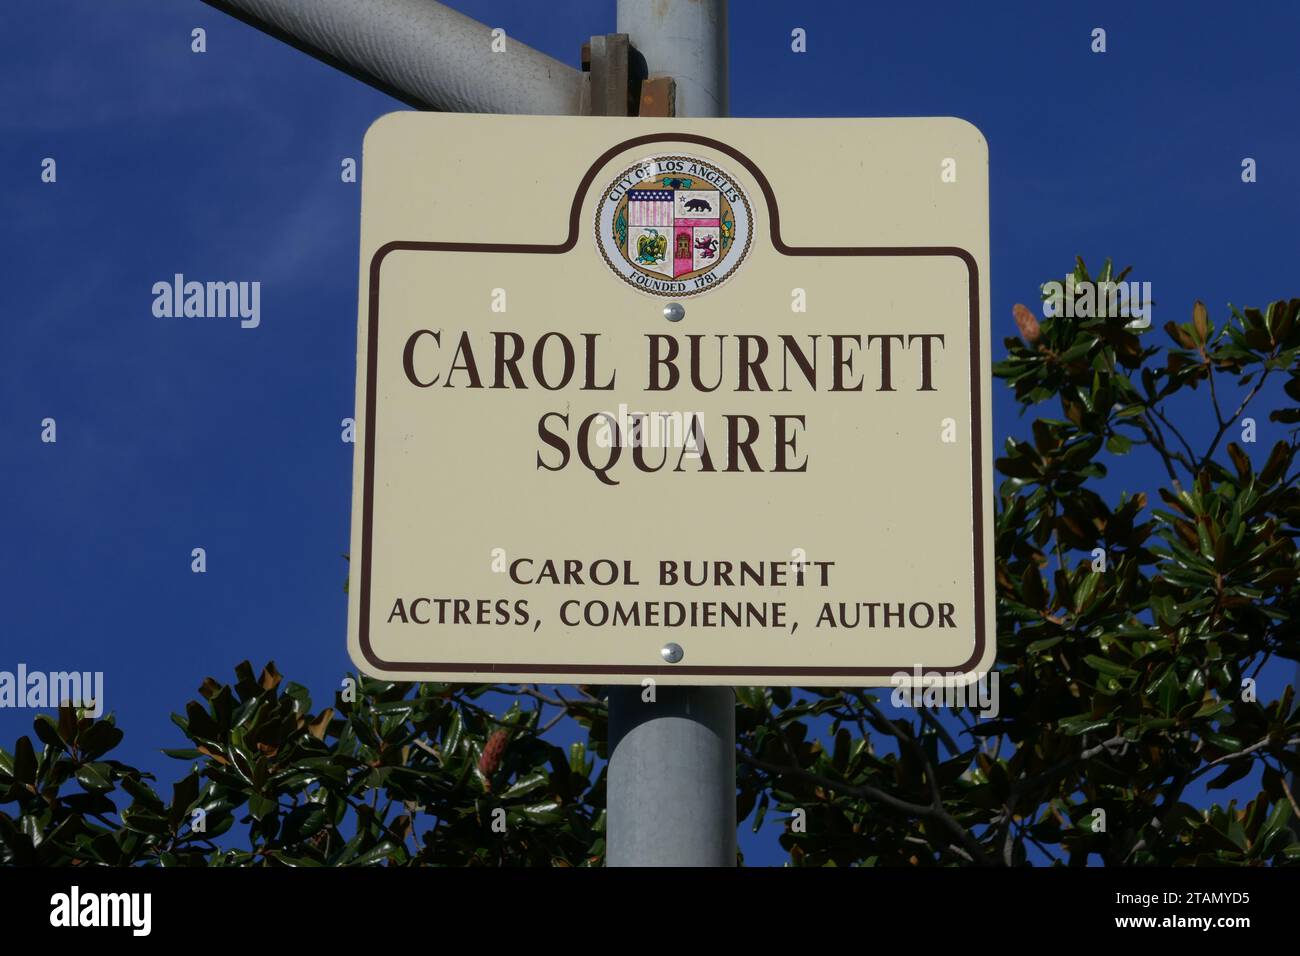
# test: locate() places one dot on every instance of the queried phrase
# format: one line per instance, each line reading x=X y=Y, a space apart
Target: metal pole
x=425 y=53
x=687 y=40
x=671 y=787
x=1295 y=777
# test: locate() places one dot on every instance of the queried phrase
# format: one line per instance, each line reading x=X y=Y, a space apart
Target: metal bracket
x=617 y=83
x=658 y=97
x=605 y=60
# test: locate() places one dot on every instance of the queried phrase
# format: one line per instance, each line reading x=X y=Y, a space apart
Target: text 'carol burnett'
x=881 y=362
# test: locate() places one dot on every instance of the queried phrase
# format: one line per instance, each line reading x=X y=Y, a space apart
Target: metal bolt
x=672 y=653
x=674 y=312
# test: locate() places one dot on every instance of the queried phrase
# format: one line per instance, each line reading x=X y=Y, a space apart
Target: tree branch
x=1246 y=752
x=870 y=793
x=1259 y=383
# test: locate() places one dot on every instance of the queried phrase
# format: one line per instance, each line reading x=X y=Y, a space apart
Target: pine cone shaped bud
x=493 y=751
x=1027 y=324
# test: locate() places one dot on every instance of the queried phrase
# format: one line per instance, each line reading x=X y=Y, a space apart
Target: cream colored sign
x=790 y=484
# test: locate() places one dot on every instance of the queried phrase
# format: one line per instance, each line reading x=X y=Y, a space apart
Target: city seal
x=674 y=226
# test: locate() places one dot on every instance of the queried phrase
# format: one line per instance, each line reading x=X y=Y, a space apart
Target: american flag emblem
x=650 y=207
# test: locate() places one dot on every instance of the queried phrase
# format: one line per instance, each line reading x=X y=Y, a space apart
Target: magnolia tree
x=1135 y=632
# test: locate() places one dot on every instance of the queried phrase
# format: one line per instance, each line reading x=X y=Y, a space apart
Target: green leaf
x=48 y=731
x=98 y=739
x=24 y=761
x=384 y=851
x=142 y=793
x=1087 y=589
x=547 y=812
x=184 y=793
x=1210 y=707
x=303 y=823
x=1082 y=724
x=525 y=784
x=1108 y=667
x=1118 y=444
x=451 y=739
x=1031 y=584
x=95 y=777
x=143 y=820
x=1044 y=643
x=261 y=807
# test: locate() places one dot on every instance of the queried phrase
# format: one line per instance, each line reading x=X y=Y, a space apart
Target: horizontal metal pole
x=420 y=51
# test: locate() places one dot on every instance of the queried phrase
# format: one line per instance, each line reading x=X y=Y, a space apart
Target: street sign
x=703 y=401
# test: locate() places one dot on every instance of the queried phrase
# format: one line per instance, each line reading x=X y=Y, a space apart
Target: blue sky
x=175 y=435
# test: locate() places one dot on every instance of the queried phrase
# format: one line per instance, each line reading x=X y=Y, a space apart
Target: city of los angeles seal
x=674 y=226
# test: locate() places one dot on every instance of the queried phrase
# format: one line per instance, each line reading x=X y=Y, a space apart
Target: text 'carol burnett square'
x=788 y=483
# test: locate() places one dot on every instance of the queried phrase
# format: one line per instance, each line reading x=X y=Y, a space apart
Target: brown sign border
x=774 y=218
